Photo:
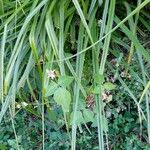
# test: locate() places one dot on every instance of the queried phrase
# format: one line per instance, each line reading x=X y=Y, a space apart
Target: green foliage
x=51 y=89
x=74 y=74
x=109 y=86
x=65 y=81
x=63 y=97
x=88 y=115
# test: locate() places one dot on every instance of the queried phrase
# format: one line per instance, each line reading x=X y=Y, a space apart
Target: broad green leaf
x=65 y=80
x=109 y=86
x=104 y=123
x=97 y=90
x=82 y=104
x=63 y=98
x=78 y=119
x=99 y=78
x=51 y=89
x=88 y=115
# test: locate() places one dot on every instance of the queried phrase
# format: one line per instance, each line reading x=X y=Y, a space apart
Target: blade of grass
x=34 y=48
x=76 y=87
x=133 y=27
x=2 y=63
x=79 y=69
x=111 y=31
x=1 y=7
x=14 y=130
x=61 y=39
x=144 y=92
x=137 y=44
x=107 y=39
x=18 y=44
x=76 y=4
x=93 y=3
x=102 y=64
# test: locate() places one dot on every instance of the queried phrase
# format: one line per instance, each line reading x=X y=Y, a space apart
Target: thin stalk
x=134 y=29
x=14 y=130
x=33 y=43
x=103 y=22
x=67 y=125
x=107 y=39
x=43 y=124
x=102 y=67
x=61 y=55
x=97 y=97
x=82 y=43
x=1 y=7
x=145 y=92
x=95 y=62
x=76 y=87
x=2 y=63
x=61 y=39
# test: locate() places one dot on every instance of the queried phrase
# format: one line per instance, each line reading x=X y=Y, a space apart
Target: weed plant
x=74 y=74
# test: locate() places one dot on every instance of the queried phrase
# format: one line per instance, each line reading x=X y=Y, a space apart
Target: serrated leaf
x=88 y=115
x=63 y=97
x=109 y=86
x=51 y=89
x=65 y=80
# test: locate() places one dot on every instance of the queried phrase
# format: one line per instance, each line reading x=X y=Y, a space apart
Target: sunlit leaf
x=63 y=97
x=65 y=80
x=51 y=89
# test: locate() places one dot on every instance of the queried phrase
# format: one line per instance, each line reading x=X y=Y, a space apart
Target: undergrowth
x=74 y=74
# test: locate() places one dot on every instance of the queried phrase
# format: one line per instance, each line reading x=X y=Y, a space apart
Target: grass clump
x=74 y=74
